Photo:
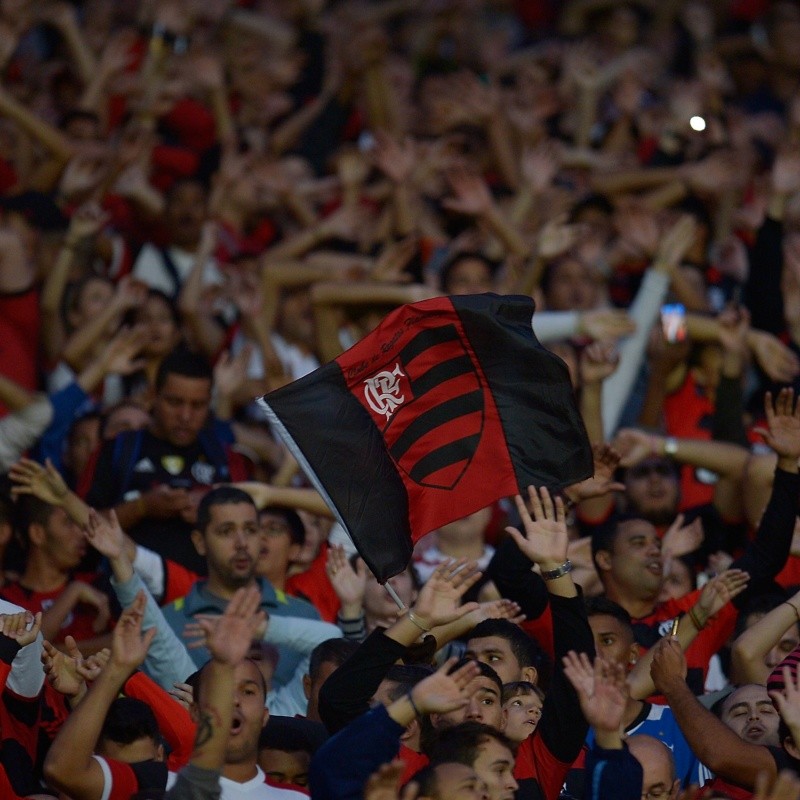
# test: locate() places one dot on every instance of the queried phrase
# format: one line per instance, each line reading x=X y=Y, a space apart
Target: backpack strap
x=172 y=271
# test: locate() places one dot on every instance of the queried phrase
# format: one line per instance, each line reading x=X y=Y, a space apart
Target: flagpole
x=394 y=596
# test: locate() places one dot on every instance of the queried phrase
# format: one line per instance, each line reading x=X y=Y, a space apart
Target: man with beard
x=229 y=538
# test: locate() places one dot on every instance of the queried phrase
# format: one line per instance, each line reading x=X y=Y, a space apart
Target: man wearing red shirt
x=74 y=603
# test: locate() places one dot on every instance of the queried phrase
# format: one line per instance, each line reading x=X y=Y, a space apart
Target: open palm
x=783 y=424
x=545 y=539
x=601 y=689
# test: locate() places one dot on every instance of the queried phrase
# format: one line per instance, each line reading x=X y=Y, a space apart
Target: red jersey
x=78 y=623
x=313 y=585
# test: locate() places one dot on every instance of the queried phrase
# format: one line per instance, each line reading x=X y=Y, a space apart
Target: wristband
x=415 y=619
x=558 y=572
x=693 y=617
x=410 y=697
x=670 y=446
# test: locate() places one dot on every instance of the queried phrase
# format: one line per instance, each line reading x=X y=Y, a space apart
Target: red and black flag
x=449 y=405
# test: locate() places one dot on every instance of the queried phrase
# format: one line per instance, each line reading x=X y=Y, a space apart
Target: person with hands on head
x=342 y=765
x=731 y=758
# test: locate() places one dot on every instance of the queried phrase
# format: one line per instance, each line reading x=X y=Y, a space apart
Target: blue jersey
x=659 y=722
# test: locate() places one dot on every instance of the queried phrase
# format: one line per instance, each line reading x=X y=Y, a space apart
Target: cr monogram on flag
x=382 y=391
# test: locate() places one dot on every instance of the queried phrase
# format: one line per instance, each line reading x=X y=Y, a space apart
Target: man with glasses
x=282 y=538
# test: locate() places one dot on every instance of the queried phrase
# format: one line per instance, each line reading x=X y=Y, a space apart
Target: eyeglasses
x=660 y=468
x=656 y=792
x=275 y=528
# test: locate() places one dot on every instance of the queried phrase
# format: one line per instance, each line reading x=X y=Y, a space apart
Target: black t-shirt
x=155 y=463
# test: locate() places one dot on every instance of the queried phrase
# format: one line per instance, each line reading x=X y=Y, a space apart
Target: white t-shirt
x=256 y=789
x=151 y=269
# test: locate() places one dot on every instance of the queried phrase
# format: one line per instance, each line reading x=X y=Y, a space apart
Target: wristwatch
x=670 y=446
x=558 y=572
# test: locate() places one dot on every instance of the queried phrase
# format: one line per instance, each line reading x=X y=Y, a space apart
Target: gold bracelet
x=412 y=617
x=693 y=617
x=795 y=609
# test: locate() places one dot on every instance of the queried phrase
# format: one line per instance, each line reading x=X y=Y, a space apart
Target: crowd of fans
x=202 y=201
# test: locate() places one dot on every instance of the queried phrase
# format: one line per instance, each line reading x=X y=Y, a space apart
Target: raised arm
x=713 y=742
x=348 y=691
x=751 y=648
x=69 y=765
x=561 y=728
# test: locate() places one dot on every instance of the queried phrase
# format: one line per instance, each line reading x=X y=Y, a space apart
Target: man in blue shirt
x=229 y=538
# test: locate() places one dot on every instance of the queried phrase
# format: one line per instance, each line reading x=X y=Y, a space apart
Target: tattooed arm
x=228 y=640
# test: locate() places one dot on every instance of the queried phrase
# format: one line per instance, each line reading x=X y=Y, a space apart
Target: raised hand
x=129 y=645
x=23 y=627
x=734 y=327
x=606 y=323
x=602 y=690
x=545 y=539
x=121 y=355
x=439 y=599
x=391 y=263
x=230 y=372
x=183 y=693
x=229 y=637
x=385 y=782
x=61 y=671
x=348 y=583
x=778 y=361
x=633 y=445
x=472 y=195
x=556 y=237
x=445 y=691
x=395 y=159
x=675 y=243
x=90 y=667
x=606 y=460
x=497 y=609
x=680 y=539
x=597 y=362
x=88 y=220
x=44 y=482
x=103 y=532
x=719 y=591
x=669 y=665
x=540 y=164
x=783 y=428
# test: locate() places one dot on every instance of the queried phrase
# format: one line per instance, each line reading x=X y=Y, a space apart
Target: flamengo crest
x=382 y=391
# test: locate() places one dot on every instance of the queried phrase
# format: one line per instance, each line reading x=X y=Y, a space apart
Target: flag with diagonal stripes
x=447 y=406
